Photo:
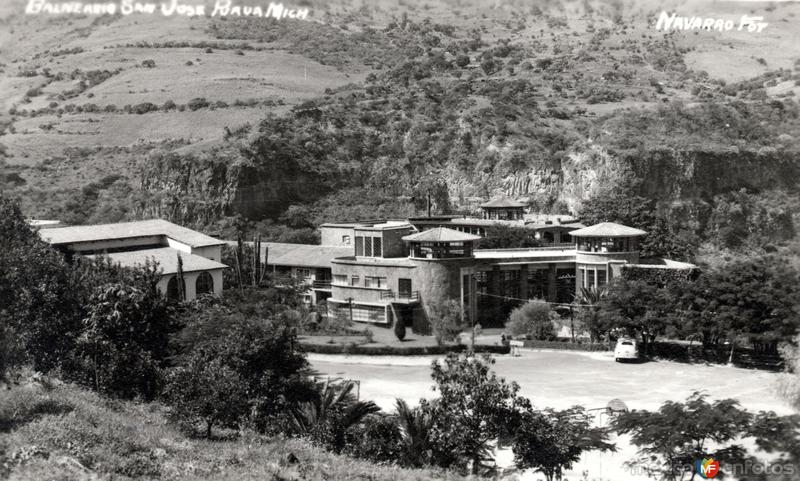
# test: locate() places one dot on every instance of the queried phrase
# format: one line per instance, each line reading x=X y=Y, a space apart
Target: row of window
x=375 y=314
x=369 y=281
x=203 y=285
x=594 y=277
x=369 y=246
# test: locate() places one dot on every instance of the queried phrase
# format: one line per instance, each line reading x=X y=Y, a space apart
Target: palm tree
x=415 y=426
x=327 y=418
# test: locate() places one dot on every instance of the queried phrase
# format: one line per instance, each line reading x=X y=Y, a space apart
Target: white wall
x=190 y=279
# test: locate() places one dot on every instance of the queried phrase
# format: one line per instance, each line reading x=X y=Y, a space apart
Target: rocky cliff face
x=202 y=188
x=672 y=177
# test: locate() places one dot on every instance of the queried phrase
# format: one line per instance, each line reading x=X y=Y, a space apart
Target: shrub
x=125 y=340
x=377 y=439
x=197 y=103
x=533 y=320
x=144 y=107
x=252 y=361
x=445 y=319
x=400 y=329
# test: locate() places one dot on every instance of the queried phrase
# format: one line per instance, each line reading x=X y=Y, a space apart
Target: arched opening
x=173 y=289
x=204 y=284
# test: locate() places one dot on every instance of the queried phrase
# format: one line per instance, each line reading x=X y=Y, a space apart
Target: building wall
x=393 y=244
x=190 y=280
x=113 y=244
x=209 y=252
x=332 y=236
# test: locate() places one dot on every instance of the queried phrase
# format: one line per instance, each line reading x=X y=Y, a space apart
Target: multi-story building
x=390 y=281
x=133 y=244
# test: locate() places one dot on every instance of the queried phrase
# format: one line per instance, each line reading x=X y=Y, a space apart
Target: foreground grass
x=66 y=433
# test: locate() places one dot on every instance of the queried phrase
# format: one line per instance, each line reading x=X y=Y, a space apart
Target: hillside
x=370 y=107
x=62 y=429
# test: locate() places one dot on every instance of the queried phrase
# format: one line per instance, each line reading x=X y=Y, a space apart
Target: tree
x=637 y=308
x=474 y=409
x=205 y=389
x=272 y=373
x=40 y=312
x=415 y=428
x=445 y=319
x=124 y=343
x=533 y=319
x=753 y=297
x=680 y=433
x=327 y=418
x=505 y=237
x=550 y=441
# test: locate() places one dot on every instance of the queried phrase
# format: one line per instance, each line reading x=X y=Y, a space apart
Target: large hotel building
x=384 y=272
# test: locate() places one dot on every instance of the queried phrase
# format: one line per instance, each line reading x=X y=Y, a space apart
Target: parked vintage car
x=626 y=350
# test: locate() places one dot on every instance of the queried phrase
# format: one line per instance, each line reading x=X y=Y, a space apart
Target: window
x=368 y=246
x=302 y=273
x=359 y=246
x=340 y=280
x=204 y=284
x=346 y=240
x=404 y=287
x=601 y=277
x=377 y=249
x=375 y=282
x=369 y=314
x=174 y=291
x=354 y=280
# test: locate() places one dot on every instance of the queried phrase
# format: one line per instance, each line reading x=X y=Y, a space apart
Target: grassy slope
x=68 y=433
x=36 y=146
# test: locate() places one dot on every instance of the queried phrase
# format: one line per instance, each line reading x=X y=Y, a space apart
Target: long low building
x=133 y=244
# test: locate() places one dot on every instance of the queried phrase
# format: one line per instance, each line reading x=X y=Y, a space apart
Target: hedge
x=384 y=350
x=567 y=346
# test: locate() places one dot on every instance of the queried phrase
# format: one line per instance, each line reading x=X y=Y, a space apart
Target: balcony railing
x=322 y=284
x=409 y=296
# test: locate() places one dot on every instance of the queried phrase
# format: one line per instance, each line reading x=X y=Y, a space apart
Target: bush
x=567 y=346
x=398 y=350
x=377 y=439
x=253 y=362
x=533 y=320
x=445 y=319
x=198 y=103
x=399 y=329
x=144 y=107
x=149 y=63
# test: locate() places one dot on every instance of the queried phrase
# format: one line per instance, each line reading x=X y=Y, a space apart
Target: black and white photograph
x=399 y=240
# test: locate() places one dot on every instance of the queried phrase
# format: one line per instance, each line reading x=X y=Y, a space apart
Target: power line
x=509 y=298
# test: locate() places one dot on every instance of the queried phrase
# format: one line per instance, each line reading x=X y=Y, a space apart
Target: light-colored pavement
x=560 y=379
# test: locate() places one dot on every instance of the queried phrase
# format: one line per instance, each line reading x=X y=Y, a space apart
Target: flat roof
x=167 y=259
x=568 y=254
x=127 y=230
